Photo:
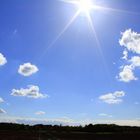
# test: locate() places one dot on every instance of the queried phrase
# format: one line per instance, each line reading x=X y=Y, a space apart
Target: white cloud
x=3 y=60
x=119 y=94
x=40 y=113
x=68 y=121
x=1 y=100
x=32 y=121
x=125 y=55
x=114 y=63
x=127 y=74
x=131 y=41
x=27 y=69
x=135 y=61
x=105 y=115
x=31 y=91
x=113 y=98
x=102 y=114
x=2 y=111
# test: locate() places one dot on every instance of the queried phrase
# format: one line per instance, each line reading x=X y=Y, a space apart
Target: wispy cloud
x=69 y=121
x=136 y=103
x=2 y=111
x=105 y=115
x=32 y=121
x=40 y=113
x=1 y=100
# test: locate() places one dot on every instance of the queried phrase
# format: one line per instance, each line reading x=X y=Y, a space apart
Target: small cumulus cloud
x=105 y=115
x=2 y=111
x=114 y=63
x=113 y=98
x=40 y=113
x=31 y=91
x=3 y=60
x=131 y=41
x=27 y=69
x=135 y=61
x=1 y=100
x=127 y=74
x=125 y=55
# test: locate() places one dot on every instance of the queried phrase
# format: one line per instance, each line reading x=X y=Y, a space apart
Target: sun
x=84 y=6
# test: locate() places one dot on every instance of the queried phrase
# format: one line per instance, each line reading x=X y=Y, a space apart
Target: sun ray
x=85 y=7
x=93 y=6
x=65 y=28
x=97 y=7
x=97 y=41
x=63 y=31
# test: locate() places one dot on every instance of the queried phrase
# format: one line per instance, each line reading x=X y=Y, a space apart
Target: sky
x=68 y=62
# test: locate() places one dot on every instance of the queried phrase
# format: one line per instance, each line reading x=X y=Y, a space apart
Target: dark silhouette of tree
x=102 y=128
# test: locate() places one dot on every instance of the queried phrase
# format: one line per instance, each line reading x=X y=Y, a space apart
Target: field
x=25 y=135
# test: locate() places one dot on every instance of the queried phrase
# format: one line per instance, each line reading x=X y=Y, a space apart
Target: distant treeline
x=98 y=128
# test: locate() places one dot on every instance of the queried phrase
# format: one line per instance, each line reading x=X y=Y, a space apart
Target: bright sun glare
x=84 y=5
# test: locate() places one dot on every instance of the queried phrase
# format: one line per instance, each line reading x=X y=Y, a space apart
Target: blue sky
x=55 y=69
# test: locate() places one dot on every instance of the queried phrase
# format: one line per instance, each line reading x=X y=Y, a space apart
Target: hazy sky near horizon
x=61 y=65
